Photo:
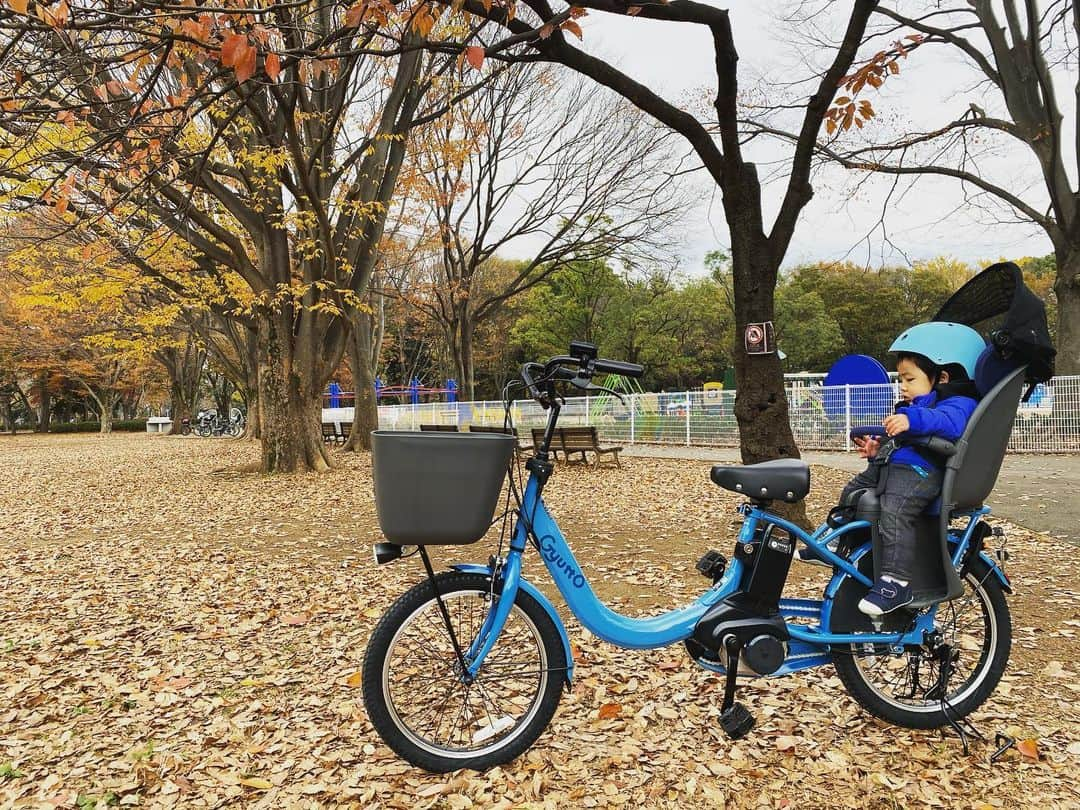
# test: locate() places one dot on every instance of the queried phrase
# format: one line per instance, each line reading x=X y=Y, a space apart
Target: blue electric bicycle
x=466 y=668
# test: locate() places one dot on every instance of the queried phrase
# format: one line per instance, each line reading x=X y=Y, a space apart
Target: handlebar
x=557 y=369
x=619 y=367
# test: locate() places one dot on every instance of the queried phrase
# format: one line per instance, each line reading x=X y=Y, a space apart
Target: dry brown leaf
x=609 y=711
x=270 y=703
x=1028 y=748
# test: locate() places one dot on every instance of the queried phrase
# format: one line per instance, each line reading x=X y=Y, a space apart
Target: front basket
x=438 y=489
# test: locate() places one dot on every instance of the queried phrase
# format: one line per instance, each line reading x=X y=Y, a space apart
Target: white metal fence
x=1049 y=422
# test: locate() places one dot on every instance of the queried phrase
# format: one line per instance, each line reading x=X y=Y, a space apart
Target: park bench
x=519 y=448
x=440 y=428
x=571 y=441
x=331 y=433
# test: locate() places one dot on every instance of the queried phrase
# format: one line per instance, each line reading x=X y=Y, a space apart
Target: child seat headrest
x=991 y=368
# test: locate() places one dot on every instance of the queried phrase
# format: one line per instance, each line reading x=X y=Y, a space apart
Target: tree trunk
x=467 y=380
x=290 y=400
x=31 y=414
x=107 y=415
x=179 y=406
x=250 y=349
x=44 y=403
x=761 y=406
x=1067 y=288
x=366 y=407
x=5 y=412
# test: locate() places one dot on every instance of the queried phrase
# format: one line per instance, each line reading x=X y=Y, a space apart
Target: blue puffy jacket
x=929 y=417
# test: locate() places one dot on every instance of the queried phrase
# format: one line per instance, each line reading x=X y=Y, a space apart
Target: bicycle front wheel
x=418 y=700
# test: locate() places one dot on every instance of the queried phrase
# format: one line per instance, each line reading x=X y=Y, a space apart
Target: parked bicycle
x=466 y=668
x=211 y=423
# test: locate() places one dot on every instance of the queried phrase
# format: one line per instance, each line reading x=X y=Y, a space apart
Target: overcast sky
x=929 y=220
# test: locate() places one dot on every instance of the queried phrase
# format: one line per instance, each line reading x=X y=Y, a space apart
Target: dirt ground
x=175 y=636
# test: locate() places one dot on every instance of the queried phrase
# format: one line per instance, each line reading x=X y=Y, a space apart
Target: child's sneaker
x=885 y=597
x=808 y=555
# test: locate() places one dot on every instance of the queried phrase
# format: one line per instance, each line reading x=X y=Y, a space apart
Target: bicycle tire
x=857 y=669
x=490 y=722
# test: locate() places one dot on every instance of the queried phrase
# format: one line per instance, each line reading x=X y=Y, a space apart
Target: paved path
x=1040 y=492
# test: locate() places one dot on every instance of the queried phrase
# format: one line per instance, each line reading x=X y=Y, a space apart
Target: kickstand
x=946 y=660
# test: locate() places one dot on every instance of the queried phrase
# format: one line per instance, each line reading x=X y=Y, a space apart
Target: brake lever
x=587 y=385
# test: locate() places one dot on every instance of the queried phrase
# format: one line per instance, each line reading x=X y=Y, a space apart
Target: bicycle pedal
x=737 y=721
x=712 y=565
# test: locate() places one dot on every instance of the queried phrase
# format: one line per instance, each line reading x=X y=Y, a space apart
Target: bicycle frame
x=809 y=643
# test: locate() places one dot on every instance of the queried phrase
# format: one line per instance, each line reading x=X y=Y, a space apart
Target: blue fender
x=542 y=600
x=992 y=564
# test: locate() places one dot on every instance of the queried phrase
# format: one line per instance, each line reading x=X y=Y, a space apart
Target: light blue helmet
x=943 y=343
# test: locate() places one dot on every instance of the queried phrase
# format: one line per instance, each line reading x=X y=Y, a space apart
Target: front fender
x=542 y=600
x=993 y=566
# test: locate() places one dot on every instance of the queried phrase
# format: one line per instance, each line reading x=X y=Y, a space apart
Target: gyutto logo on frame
x=549 y=553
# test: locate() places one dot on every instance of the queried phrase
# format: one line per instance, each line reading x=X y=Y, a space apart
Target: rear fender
x=532 y=591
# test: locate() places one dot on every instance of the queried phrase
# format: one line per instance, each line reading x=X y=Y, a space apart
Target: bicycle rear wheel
x=907 y=689
x=422 y=707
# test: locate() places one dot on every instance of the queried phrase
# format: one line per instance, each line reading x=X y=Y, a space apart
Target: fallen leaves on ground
x=173 y=637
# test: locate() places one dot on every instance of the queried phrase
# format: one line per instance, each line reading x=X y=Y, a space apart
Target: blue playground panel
x=866 y=404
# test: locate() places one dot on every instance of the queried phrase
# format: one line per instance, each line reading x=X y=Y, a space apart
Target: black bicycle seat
x=786 y=479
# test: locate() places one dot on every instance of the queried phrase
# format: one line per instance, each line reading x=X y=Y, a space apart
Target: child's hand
x=897 y=423
x=868 y=446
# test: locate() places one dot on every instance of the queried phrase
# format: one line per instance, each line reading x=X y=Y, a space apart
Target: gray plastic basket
x=438 y=489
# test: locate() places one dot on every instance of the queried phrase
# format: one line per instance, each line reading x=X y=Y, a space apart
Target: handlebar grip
x=619 y=367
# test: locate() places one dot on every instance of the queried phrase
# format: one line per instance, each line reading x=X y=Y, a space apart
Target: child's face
x=913 y=380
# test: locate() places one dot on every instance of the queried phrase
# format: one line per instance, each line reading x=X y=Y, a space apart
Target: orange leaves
x=1029 y=749
x=232 y=47
x=424 y=18
x=18 y=6
x=273 y=66
x=845 y=112
x=609 y=711
x=474 y=55
x=354 y=16
x=238 y=53
x=57 y=16
x=573 y=28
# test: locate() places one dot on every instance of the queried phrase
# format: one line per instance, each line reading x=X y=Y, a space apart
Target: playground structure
x=414 y=393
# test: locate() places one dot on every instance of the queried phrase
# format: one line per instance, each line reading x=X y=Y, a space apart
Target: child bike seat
x=786 y=479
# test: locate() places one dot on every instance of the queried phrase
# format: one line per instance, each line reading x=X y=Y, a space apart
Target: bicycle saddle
x=787 y=479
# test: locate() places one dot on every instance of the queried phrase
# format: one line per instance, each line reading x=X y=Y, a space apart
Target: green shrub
x=119 y=425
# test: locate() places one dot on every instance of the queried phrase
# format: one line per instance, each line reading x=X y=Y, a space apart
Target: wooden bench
x=519 y=448
x=440 y=428
x=575 y=440
x=330 y=432
x=572 y=441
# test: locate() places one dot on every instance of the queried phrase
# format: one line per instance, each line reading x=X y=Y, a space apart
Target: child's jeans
x=906 y=495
